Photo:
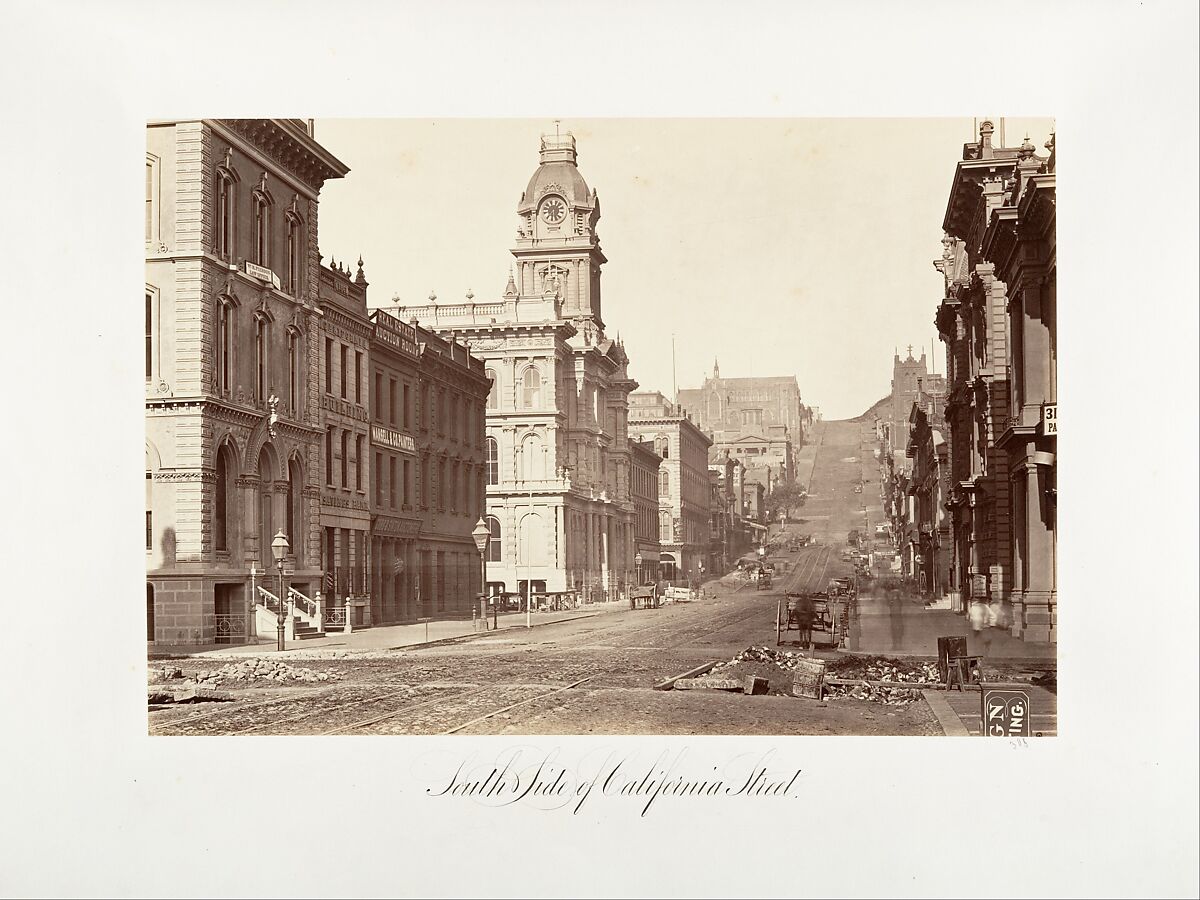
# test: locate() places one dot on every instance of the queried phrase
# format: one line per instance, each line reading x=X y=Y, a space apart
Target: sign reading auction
x=1050 y=419
x=1005 y=714
x=398 y=334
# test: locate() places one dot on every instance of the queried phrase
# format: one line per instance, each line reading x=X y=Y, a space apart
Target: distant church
x=910 y=377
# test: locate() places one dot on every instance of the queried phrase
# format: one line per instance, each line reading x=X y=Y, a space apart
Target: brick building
x=345 y=398
x=427 y=487
x=233 y=435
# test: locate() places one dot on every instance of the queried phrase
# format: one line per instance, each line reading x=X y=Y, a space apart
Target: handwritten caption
x=548 y=779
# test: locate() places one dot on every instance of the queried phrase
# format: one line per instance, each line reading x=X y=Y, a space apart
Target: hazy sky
x=778 y=246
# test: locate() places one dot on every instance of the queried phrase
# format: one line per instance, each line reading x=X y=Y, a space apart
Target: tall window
x=261 y=340
x=532 y=458
x=494 y=390
x=532 y=388
x=426 y=488
x=664 y=484
x=293 y=371
x=262 y=229
x=406 y=413
x=294 y=255
x=149 y=200
x=494 y=541
x=149 y=334
x=225 y=215
x=441 y=488
x=358 y=376
x=329 y=455
x=225 y=342
x=342 y=369
x=493 y=460
x=149 y=511
x=391 y=401
x=221 y=502
x=345 y=458
x=377 y=396
x=407 y=496
x=664 y=526
x=453 y=417
x=379 y=479
x=295 y=513
x=329 y=365
x=392 y=481
x=454 y=469
x=358 y=462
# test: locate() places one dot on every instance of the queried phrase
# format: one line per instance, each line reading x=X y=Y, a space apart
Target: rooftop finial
x=470 y=294
x=432 y=296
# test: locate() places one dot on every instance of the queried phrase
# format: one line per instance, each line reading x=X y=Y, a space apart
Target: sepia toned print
x=373 y=511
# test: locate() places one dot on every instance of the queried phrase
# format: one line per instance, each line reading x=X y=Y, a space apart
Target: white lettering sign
x=395 y=439
x=262 y=273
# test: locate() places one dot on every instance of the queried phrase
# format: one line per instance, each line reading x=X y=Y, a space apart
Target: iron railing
x=230 y=629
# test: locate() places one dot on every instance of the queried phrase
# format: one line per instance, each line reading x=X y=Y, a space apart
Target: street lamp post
x=279 y=548
x=637 y=561
x=482 y=535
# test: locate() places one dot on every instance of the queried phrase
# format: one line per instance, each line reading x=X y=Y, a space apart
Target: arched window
x=262 y=227
x=532 y=388
x=664 y=526
x=533 y=458
x=494 y=392
x=226 y=340
x=226 y=210
x=266 y=500
x=664 y=484
x=262 y=343
x=662 y=446
x=494 y=544
x=295 y=250
x=294 y=371
x=493 y=460
x=224 y=482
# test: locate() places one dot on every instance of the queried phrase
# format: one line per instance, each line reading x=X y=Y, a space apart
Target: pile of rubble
x=254 y=669
x=888 y=696
x=784 y=659
x=882 y=668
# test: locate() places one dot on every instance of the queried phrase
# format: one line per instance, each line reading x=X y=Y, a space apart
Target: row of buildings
x=374 y=440
x=975 y=511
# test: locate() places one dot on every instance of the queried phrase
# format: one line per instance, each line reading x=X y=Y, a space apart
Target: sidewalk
x=958 y=712
x=393 y=637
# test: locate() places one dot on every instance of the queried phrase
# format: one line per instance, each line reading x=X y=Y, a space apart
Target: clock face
x=553 y=211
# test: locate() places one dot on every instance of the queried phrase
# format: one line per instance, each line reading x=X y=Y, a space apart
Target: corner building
x=559 y=504
x=233 y=434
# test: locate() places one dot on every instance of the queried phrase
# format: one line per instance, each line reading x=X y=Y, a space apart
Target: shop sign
x=1050 y=419
x=1005 y=714
x=397 y=440
x=262 y=273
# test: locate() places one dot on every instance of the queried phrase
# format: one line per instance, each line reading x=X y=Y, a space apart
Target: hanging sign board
x=1050 y=419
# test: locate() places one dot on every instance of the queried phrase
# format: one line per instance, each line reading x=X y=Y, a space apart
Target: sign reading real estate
x=1005 y=714
x=1050 y=419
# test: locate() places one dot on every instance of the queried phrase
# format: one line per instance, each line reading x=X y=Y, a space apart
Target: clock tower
x=558 y=251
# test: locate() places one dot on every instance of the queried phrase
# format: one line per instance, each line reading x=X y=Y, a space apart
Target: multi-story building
x=643 y=487
x=736 y=404
x=767 y=446
x=558 y=459
x=990 y=184
x=345 y=396
x=233 y=434
x=909 y=376
x=1021 y=241
x=683 y=485
x=427 y=487
x=927 y=533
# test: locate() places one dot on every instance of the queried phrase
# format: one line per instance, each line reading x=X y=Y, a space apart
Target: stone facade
x=558 y=458
x=768 y=446
x=683 y=493
x=233 y=439
x=995 y=450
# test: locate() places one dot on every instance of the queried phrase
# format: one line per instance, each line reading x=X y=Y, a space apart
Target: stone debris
x=863 y=669
x=249 y=670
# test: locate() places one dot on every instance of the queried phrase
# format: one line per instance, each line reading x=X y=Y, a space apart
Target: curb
x=463 y=638
x=952 y=725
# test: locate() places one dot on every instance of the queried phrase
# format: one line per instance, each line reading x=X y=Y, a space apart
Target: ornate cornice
x=288 y=145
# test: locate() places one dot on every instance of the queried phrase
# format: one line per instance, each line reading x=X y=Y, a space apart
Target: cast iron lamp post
x=279 y=548
x=482 y=535
x=637 y=561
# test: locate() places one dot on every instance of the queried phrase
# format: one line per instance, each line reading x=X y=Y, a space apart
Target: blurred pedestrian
x=805 y=611
x=981 y=624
